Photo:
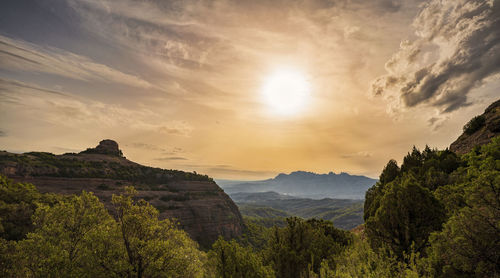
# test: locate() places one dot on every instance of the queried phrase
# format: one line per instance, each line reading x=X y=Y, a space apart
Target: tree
x=18 y=202
x=372 y=196
x=60 y=245
x=469 y=242
x=301 y=246
x=77 y=237
x=231 y=260
x=390 y=172
x=407 y=214
x=154 y=248
x=360 y=260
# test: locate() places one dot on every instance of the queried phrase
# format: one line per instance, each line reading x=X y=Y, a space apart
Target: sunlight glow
x=286 y=91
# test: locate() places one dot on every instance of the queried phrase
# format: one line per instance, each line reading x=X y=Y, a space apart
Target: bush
x=474 y=125
x=230 y=259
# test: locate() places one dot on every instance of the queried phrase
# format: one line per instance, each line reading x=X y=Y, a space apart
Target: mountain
x=309 y=185
x=479 y=130
x=344 y=213
x=196 y=201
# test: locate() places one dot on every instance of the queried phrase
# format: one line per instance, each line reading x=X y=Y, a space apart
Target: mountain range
x=307 y=185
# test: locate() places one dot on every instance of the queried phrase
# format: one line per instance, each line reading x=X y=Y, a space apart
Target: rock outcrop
x=480 y=130
x=199 y=205
x=108 y=147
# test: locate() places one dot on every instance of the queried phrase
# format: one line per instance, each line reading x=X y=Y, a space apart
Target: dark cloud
x=3 y=133
x=457 y=49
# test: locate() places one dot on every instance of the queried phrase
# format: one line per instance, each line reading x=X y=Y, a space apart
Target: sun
x=286 y=91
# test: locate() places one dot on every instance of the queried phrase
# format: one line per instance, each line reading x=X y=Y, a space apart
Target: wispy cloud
x=145 y=146
x=169 y=158
x=23 y=56
x=363 y=154
x=65 y=109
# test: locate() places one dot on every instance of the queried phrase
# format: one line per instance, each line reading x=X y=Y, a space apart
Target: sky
x=182 y=84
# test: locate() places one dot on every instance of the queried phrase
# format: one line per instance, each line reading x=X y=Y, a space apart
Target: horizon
x=245 y=90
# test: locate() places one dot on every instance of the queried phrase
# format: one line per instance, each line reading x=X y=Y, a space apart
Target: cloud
x=24 y=56
x=169 y=158
x=9 y=84
x=3 y=133
x=237 y=172
x=176 y=128
x=173 y=151
x=357 y=155
x=227 y=170
x=146 y=146
x=66 y=110
x=456 y=50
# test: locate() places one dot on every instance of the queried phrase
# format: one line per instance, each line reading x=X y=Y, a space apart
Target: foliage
x=154 y=248
x=60 y=244
x=257 y=232
x=302 y=245
x=401 y=209
x=469 y=242
x=230 y=259
x=18 y=202
x=390 y=172
x=445 y=207
x=474 y=124
x=76 y=237
x=406 y=216
x=360 y=260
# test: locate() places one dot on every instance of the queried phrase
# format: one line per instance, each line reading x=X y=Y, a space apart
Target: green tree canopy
x=231 y=260
x=302 y=245
x=407 y=214
x=18 y=202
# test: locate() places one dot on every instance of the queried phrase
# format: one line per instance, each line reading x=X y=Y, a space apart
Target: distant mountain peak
x=106 y=147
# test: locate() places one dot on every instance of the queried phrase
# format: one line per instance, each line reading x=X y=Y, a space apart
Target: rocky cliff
x=480 y=130
x=200 y=206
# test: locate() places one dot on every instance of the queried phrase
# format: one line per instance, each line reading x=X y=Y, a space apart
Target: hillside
x=479 y=130
x=196 y=201
x=309 y=185
x=344 y=213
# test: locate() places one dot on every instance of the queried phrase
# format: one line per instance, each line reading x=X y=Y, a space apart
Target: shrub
x=474 y=125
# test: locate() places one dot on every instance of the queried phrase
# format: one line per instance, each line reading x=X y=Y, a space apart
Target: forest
x=435 y=215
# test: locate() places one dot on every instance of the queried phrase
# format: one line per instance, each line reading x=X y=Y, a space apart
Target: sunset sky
x=246 y=89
